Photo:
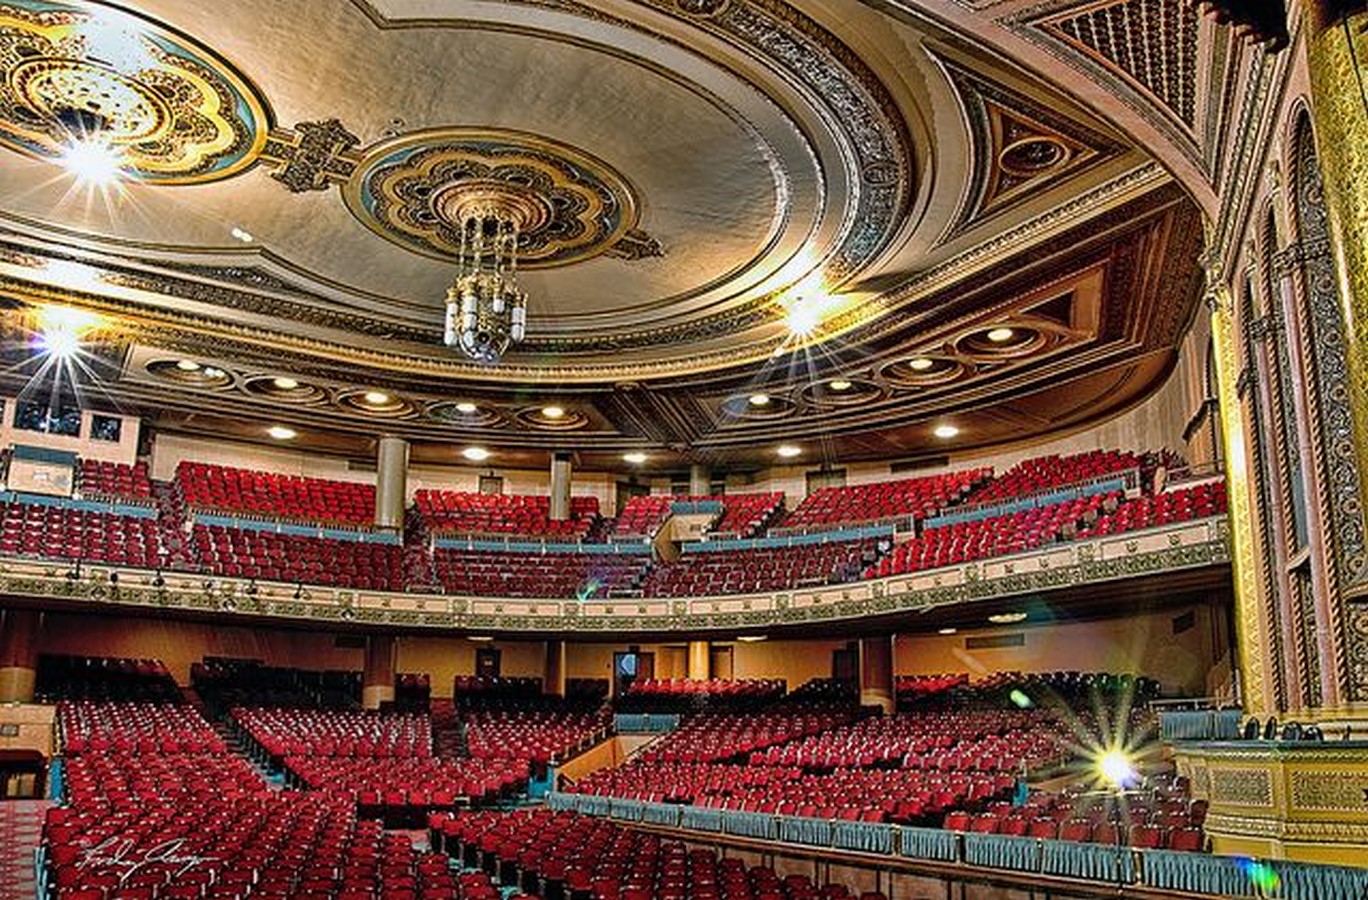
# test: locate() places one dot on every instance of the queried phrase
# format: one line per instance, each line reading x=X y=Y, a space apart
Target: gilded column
x=1252 y=637
x=19 y=636
x=700 y=660
x=391 y=482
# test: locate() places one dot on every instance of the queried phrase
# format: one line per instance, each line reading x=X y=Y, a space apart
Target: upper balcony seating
x=516 y=516
x=1157 y=815
x=1182 y=504
x=116 y=481
x=53 y=532
x=759 y=570
x=642 y=516
x=561 y=576
x=976 y=539
x=343 y=733
x=266 y=556
x=747 y=515
x=104 y=678
x=580 y=856
x=134 y=728
x=692 y=695
x=243 y=491
x=910 y=497
x=540 y=735
x=1031 y=476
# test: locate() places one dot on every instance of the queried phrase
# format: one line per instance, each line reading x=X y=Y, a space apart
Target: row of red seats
x=336 y=733
x=758 y=570
x=266 y=556
x=1042 y=473
x=1136 y=819
x=52 y=532
x=135 y=727
x=118 y=481
x=541 y=735
x=711 y=737
x=517 y=515
x=406 y=788
x=642 y=516
x=207 y=486
x=747 y=515
x=577 y=856
x=916 y=497
x=556 y=575
x=1182 y=504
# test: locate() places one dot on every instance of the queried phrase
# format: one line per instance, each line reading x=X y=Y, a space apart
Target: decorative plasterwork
x=312 y=156
x=1020 y=147
x=569 y=206
x=1190 y=545
x=176 y=112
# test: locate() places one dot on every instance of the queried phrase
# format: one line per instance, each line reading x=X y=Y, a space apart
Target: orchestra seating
x=224 y=682
x=134 y=728
x=562 y=855
x=403 y=791
x=691 y=695
x=503 y=515
x=470 y=691
x=542 y=736
x=278 y=733
x=292 y=558
x=1042 y=473
x=719 y=737
x=244 y=491
x=912 y=690
x=559 y=575
x=763 y=569
x=53 y=532
x=115 y=481
x=62 y=677
x=883 y=500
x=412 y=691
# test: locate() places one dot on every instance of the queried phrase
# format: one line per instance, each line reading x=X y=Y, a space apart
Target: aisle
x=21 y=824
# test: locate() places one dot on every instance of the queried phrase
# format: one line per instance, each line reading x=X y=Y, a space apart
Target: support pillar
x=553 y=682
x=700 y=480
x=377 y=682
x=1252 y=637
x=561 y=470
x=876 y=672
x=700 y=660
x=20 y=630
x=391 y=482
x=1336 y=45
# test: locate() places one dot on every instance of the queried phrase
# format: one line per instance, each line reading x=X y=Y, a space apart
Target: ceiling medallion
x=167 y=109
x=419 y=189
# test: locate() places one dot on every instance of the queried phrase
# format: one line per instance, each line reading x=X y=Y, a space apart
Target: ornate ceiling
x=686 y=173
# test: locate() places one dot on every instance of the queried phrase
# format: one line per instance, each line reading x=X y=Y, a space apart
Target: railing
x=514 y=545
x=645 y=723
x=1200 y=725
x=296 y=529
x=1164 y=870
x=833 y=536
x=263 y=521
x=1102 y=484
x=906 y=522
x=110 y=506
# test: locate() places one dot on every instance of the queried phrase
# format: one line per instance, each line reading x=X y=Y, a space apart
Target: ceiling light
x=788 y=451
x=553 y=412
x=1008 y=618
x=92 y=160
x=212 y=372
x=480 y=638
x=1000 y=335
x=921 y=364
x=70 y=274
x=282 y=433
x=750 y=638
x=188 y=365
x=486 y=310
x=376 y=398
x=759 y=400
x=475 y=454
x=465 y=408
x=60 y=330
x=241 y=235
x=803 y=318
x=840 y=384
x=285 y=384
x=636 y=458
x=947 y=631
x=945 y=432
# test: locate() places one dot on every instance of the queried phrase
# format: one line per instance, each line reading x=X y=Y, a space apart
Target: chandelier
x=486 y=310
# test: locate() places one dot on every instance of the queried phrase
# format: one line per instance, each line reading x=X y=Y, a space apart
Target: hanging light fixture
x=486 y=310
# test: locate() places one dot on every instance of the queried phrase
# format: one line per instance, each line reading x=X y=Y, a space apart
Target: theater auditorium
x=683 y=449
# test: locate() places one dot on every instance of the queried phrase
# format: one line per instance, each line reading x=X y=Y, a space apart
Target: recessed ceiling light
x=465 y=407
x=475 y=454
x=282 y=433
x=553 y=412
x=1008 y=618
x=921 y=364
x=947 y=631
x=213 y=372
x=945 y=432
x=376 y=398
x=188 y=365
x=635 y=458
x=759 y=400
x=93 y=161
x=788 y=451
x=241 y=235
x=1000 y=335
x=804 y=317
x=839 y=384
x=284 y=383
x=750 y=638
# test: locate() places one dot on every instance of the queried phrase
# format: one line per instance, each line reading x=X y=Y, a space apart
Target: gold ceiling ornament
x=157 y=106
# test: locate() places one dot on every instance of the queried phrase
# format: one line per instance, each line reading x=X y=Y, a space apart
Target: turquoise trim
x=930 y=843
x=30 y=453
x=834 y=536
x=645 y=723
x=1050 y=498
x=490 y=546
x=110 y=507
x=290 y=528
x=696 y=507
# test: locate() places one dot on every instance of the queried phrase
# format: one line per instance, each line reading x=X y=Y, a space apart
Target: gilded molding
x=1242 y=787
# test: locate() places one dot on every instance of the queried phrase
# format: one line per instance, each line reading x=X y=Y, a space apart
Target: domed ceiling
x=967 y=235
